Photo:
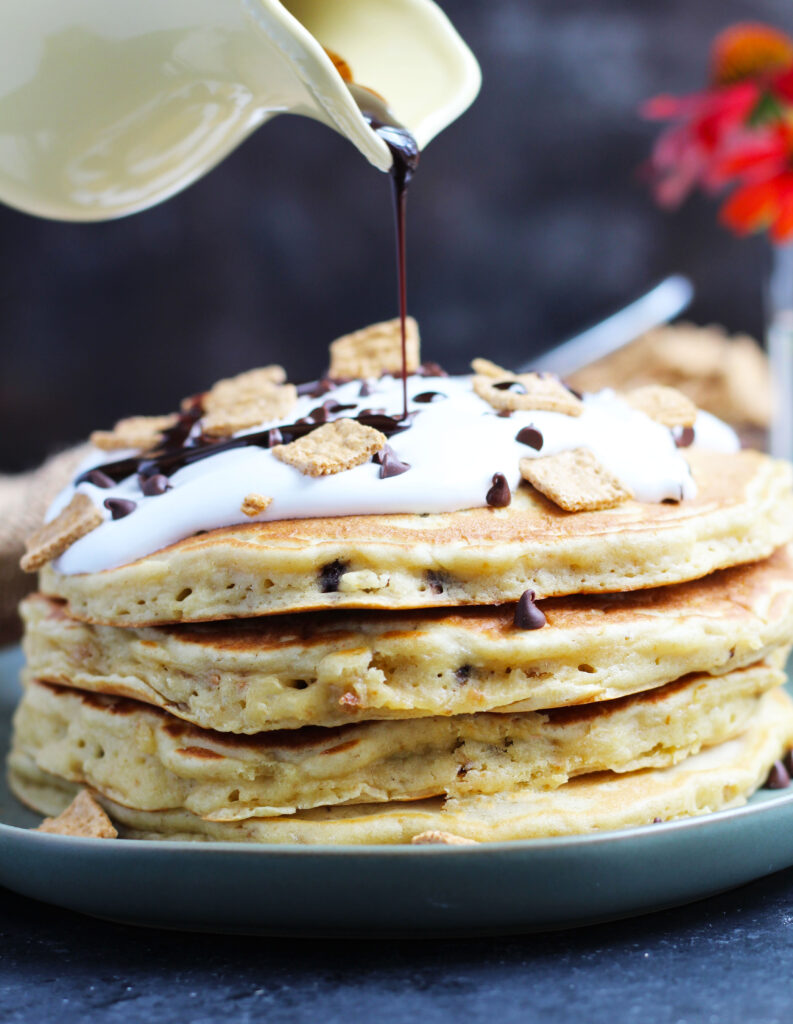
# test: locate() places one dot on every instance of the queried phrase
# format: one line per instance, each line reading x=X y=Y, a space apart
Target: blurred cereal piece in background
x=728 y=376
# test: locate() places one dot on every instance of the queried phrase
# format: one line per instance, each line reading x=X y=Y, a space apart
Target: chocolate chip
x=429 y=396
x=330 y=575
x=527 y=614
x=274 y=437
x=778 y=777
x=462 y=673
x=316 y=388
x=685 y=438
x=435 y=582
x=511 y=385
x=99 y=479
x=371 y=412
x=431 y=370
x=365 y=389
x=657 y=821
x=504 y=414
x=530 y=436
x=499 y=495
x=119 y=507
x=391 y=464
x=157 y=484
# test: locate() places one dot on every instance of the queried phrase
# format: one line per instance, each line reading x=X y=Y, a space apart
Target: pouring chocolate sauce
x=405 y=151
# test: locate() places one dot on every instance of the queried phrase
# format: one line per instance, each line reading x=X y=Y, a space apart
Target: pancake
x=145 y=759
x=744 y=510
x=722 y=776
x=283 y=672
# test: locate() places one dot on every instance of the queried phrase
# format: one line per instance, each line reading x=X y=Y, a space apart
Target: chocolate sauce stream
x=405 y=152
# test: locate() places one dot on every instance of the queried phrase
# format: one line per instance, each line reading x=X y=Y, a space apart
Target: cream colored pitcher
x=110 y=106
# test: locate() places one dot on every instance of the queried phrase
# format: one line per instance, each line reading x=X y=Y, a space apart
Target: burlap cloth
x=23 y=501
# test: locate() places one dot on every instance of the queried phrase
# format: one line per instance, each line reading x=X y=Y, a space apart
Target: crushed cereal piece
x=255 y=504
x=437 y=838
x=374 y=350
x=142 y=432
x=331 y=448
x=247 y=400
x=77 y=519
x=532 y=391
x=83 y=817
x=575 y=481
x=667 y=406
x=487 y=368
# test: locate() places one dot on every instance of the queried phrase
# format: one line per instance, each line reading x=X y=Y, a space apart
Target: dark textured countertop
x=725 y=959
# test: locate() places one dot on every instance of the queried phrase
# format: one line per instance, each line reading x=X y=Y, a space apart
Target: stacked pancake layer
x=368 y=678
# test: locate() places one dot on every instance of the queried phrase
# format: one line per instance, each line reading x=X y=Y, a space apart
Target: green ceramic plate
x=522 y=886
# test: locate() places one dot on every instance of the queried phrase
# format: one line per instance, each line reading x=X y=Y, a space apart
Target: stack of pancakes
x=480 y=675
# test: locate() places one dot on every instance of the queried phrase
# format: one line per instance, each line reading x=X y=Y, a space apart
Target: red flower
x=739 y=132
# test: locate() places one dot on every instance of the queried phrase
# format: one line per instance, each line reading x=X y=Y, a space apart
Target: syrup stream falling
x=405 y=152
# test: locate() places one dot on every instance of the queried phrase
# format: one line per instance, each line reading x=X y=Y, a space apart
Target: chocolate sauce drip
x=167 y=461
x=426 y=397
x=405 y=153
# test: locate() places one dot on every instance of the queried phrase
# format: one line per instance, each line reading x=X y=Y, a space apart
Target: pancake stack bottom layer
x=481 y=674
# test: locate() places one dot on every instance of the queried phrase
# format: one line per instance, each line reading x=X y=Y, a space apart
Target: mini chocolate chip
x=330 y=575
x=316 y=388
x=527 y=614
x=511 y=385
x=462 y=673
x=504 y=413
x=499 y=495
x=391 y=464
x=157 y=484
x=365 y=389
x=99 y=479
x=657 y=821
x=371 y=412
x=429 y=396
x=435 y=582
x=274 y=437
x=431 y=370
x=685 y=438
x=778 y=777
x=119 y=507
x=530 y=436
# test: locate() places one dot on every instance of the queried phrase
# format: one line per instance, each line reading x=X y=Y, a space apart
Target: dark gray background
x=527 y=222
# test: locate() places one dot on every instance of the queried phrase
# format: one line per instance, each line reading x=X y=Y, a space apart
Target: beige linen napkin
x=23 y=502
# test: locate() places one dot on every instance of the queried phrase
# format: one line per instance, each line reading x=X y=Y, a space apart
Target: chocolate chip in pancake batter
x=527 y=614
x=778 y=777
x=499 y=495
x=330 y=575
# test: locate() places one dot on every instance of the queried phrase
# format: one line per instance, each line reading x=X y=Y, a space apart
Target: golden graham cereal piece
x=255 y=504
x=73 y=522
x=224 y=418
x=530 y=391
x=83 y=817
x=374 y=350
x=331 y=448
x=487 y=368
x=575 y=481
x=436 y=838
x=667 y=406
x=142 y=432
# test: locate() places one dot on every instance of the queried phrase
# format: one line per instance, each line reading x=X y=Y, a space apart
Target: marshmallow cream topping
x=454 y=447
